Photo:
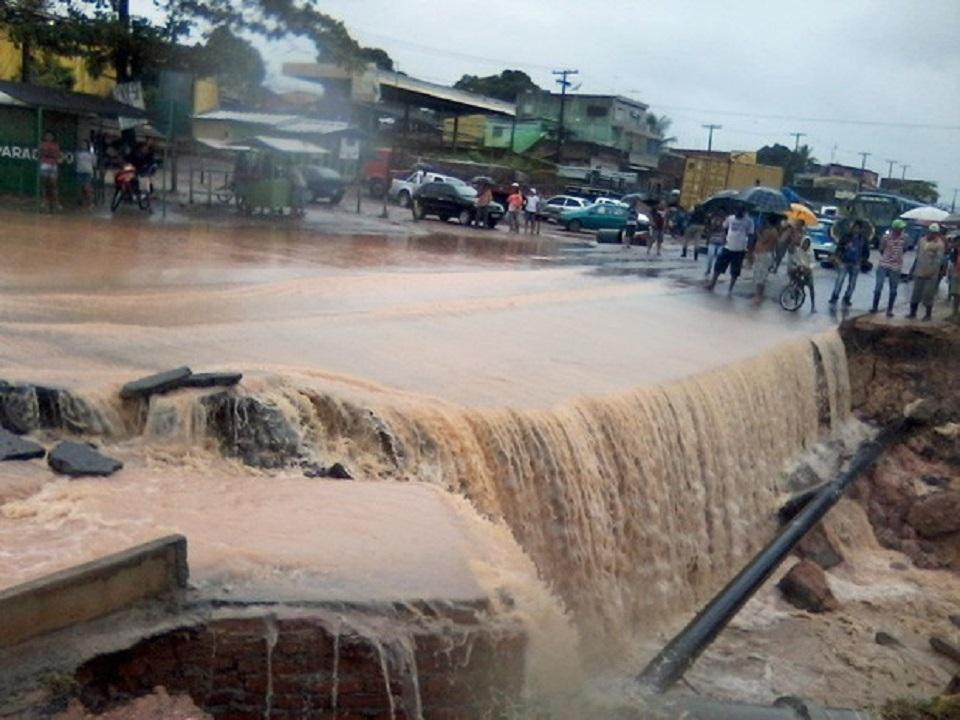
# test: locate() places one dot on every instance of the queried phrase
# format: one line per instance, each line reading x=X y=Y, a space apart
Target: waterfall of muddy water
x=634 y=506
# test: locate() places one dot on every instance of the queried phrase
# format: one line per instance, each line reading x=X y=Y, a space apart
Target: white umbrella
x=926 y=213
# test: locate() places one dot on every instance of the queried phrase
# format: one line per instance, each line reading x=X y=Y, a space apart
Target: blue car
x=821 y=242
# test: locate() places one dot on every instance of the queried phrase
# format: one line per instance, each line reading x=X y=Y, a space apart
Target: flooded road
x=479 y=320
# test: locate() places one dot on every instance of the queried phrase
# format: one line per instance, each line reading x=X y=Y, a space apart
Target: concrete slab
x=93 y=589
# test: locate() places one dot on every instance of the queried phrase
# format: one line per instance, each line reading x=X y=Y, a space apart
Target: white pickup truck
x=402 y=190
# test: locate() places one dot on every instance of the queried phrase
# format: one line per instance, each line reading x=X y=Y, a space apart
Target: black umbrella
x=724 y=202
x=482 y=180
x=764 y=199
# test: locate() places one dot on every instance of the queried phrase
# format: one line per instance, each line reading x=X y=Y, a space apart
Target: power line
x=797 y=118
x=890 y=164
x=564 y=84
x=711 y=127
x=797 y=136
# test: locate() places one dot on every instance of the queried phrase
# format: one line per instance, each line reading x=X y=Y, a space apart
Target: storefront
x=27 y=112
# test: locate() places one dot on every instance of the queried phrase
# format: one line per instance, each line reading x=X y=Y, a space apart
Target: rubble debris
x=212 y=379
x=818 y=546
x=14 y=447
x=154 y=384
x=886 y=639
x=945 y=648
x=254 y=430
x=936 y=514
x=805 y=587
x=80 y=459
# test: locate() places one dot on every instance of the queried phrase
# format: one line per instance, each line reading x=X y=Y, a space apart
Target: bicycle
x=794 y=294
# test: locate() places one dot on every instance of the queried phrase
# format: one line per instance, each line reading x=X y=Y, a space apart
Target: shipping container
x=705 y=176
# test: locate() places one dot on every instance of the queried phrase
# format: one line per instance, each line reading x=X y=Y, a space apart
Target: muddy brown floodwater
x=602 y=446
x=471 y=320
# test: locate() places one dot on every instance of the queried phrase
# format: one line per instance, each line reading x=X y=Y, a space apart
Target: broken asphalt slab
x=79 y=459
x=153 y=384
x=181 y=377
x=13 y=447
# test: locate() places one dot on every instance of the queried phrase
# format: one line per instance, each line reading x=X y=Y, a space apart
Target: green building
x=599 y=130
x=27 y=112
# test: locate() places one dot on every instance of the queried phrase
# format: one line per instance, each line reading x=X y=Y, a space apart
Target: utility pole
x=891 y=163
x=903 y=175
x=953 y=205
x=863 y=167
x=711 y=127
x=564 y=84
x=797 y=136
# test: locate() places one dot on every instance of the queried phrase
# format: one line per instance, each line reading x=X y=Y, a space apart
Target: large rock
x=254 y=430
x=806 y=587
x=818 y=546
x=936 y=514
x=19 y=409
x=79 y=459
x=212 y=379
x=13 y=447
x=153 y=384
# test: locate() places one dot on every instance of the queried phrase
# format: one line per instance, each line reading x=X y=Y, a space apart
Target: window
x=573 y=202
x=557 y=201
x=596 y=111
x=498 y=132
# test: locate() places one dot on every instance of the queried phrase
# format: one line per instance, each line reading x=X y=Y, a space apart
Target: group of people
x=526 y=206
x=734 y=239
x=92 y=155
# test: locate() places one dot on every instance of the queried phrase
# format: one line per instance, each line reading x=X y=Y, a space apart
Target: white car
x=402 y=190
x=558 y=204
x=610 y=201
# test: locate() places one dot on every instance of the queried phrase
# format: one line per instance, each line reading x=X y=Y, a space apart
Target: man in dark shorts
x=739 y=228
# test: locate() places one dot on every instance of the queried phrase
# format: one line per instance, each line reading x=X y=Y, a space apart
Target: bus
x=880 y=208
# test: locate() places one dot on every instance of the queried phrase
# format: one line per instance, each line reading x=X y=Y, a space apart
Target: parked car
x=821 y=242
x=402 y=190
x=558 y=204
x=447 y=200
x=611 y=201
x=324 y=183
x=598 y=216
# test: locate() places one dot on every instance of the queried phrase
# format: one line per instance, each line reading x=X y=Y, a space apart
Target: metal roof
x=404 y=83
x=307 y=126
x=23 y=94
x=255 y=118
x=286 y=145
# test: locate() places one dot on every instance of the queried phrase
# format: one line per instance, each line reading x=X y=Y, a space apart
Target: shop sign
x=21 y=152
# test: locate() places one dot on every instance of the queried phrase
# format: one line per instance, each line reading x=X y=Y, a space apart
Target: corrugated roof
x=445 y=92
x=256 y=118
x=307 y=126
x=288 y=145
x=222 y=144
x=66 y=101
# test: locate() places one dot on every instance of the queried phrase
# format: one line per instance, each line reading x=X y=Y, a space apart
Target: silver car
x=558 y=204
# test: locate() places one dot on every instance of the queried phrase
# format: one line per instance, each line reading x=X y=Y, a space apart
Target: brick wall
x=345 y=665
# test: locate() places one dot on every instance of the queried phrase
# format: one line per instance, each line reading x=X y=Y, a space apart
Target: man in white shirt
x=531 y=213
x=739 y=228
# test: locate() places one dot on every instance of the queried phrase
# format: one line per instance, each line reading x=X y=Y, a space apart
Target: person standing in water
x=926 y=277
x=851 y=252
x=531 y=213
x=890 y=265
x=49 y=157
x=763 y=253
x=739 y=228
x=514 y=208
x=659 y=224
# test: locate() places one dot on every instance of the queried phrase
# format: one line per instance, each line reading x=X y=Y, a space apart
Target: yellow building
x=10 y=67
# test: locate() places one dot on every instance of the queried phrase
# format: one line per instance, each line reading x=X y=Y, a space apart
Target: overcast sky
x=879 y=76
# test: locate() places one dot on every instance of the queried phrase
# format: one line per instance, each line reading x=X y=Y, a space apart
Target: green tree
x=792 y=162
x=235 y=63
x=660 y=125
x=508 y=85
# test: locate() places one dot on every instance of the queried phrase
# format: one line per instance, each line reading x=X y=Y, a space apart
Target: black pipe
x=680 y=653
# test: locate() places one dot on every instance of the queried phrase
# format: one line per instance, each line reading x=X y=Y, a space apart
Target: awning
x=24 y=94
x=224 y=145
x=294 y=146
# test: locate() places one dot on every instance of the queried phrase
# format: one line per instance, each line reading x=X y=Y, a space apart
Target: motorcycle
x=126 y=188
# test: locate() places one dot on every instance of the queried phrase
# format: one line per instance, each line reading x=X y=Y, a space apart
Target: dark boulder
x=936 y=514
x=212 y=379
x=337 y=471
x=806 y=587
x=79 y=459
x=19 y=409
x=886 y=639
x=254 y=430
x=154 y=384
x=818 y=546
x=13 y=447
